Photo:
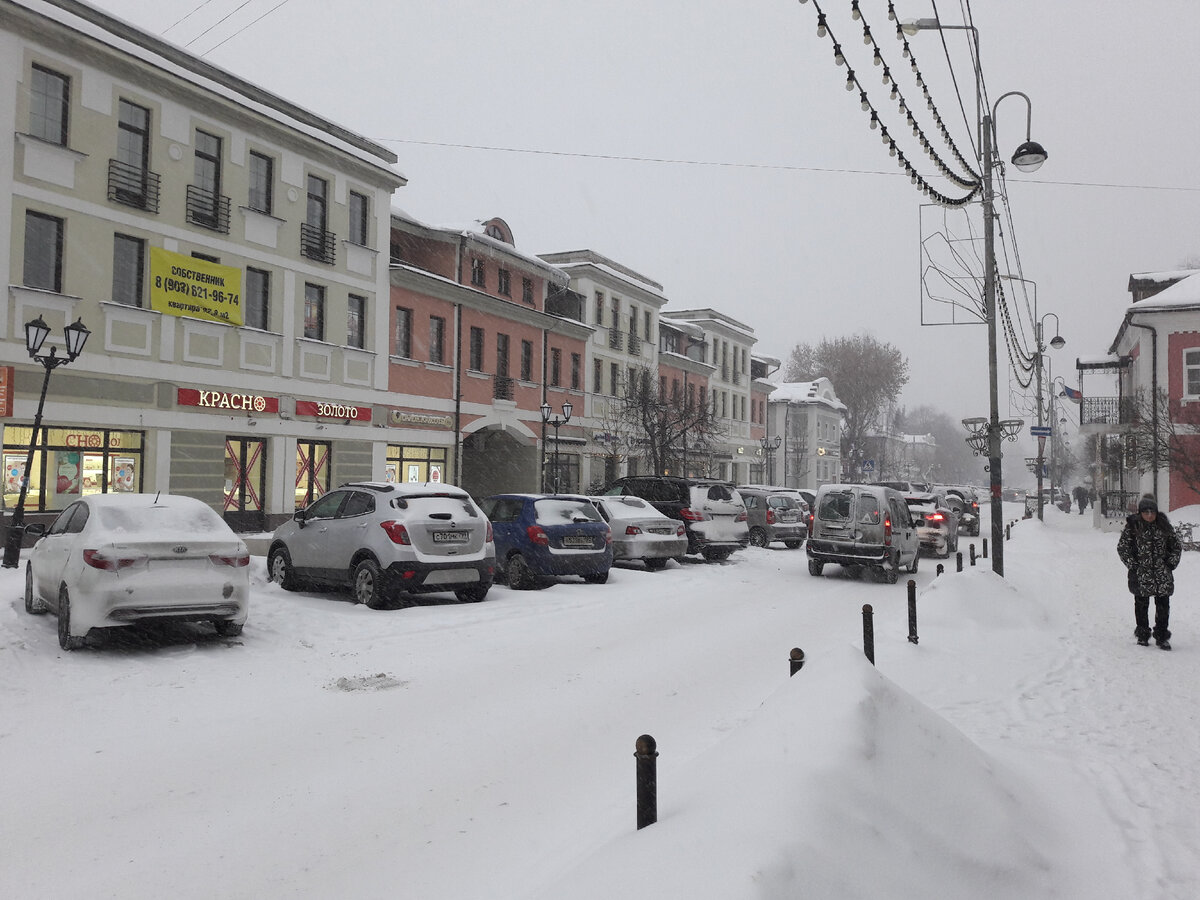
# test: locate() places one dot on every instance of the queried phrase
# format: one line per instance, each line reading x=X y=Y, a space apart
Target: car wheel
x=758 y=537
x=473 y=594
x=656 y=565
x=33 y=605
x=279 y=567
x=793 y=545
x=716 y=554
x=520 y=576
x=369 y=587
x=225 y=628
x=66 y=640
x=892 y=573
x=815 y=568
x=596 y=577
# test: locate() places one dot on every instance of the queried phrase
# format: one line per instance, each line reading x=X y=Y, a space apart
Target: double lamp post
x=556 y=422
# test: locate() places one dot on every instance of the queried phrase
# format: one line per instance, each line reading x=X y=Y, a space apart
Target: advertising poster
x=435 y=473
x=124 y=473
x=14 y=472
x=196 y=288
x=390 y=473
x=414 y=473
x=69 y=475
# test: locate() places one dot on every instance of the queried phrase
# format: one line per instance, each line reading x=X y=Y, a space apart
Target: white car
x=937 y=523
x=115 y=559
x=639 y=531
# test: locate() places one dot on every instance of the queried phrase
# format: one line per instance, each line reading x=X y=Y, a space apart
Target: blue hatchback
x=542 y=535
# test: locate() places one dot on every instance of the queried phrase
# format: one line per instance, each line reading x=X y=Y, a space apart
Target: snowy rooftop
x=1182 y=293
x=819 y=391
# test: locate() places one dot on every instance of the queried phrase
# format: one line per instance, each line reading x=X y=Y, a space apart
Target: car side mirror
x=37 y=529
x=300 y=516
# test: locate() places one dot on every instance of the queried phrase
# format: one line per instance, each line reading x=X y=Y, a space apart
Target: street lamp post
x=1056 y=342
x=36 y=333
x=556 y=422
x=769 y=446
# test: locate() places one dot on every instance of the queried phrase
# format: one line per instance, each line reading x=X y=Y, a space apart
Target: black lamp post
x=36 y=333
x=769 y=446
x=556 y=422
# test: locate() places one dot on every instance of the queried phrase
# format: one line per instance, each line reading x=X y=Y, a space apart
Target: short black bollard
x=868 y=633
x=646 y=752
x=972 y=546
x=985 y=548
x=912 y=611
x=1008 y=532
x=796 y=660
x=958 y=557
x=940 y=569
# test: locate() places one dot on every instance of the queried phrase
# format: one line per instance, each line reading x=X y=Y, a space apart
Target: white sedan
x=115 y=559
x=639 y=531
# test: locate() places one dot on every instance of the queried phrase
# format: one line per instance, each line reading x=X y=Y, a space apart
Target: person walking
x=1150 y=550
x=1080 y=494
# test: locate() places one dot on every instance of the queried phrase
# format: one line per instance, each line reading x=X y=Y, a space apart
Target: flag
x=1071 y=394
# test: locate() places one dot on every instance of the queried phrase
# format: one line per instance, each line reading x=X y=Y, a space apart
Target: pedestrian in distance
x=1081 y=497
x=1150 y=550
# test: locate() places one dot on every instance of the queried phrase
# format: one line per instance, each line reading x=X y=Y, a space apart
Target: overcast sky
x=780 y=207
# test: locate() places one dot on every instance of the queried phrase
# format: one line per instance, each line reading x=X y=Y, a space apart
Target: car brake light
x=236 y=561
x=632 y=529
x=691 y=515
x=741 y=517
x=490 y=539
x=680 y=531
x=770 y=517
x=396 y=532
x=608 y=537
x=98 y=560
x=887 y=530
x=934 y=517
x=537 y=535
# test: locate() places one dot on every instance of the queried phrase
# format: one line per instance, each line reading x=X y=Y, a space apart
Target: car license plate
x=574 y=540
x=662 y=530
x=451 y=537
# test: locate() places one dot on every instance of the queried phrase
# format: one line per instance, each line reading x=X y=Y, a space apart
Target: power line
x=244 y=27
x=187 y=16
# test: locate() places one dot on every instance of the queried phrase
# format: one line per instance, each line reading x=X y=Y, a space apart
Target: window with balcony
x=43 y=251
x=262 y=183
x=129 y=258
x=356 y=321
x=258 y=296
x=402 y=345
x=130 y=180
x=316 y=242
x=437 y=339
x=314 y=312
x=206 y=205
x=359 y=221
x=49 y=105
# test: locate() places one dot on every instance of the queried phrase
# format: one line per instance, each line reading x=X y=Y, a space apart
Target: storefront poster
x=414 y=474
x=14 y=473
x=124 y=474
x=69 y=475
x=391 y=473
x=435 y=473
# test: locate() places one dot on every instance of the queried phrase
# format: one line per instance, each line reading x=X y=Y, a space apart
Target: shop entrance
x=313 y=466
x=245 y=484
x=496 y=462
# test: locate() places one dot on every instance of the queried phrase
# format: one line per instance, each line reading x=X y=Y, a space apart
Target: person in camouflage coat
x=1150 y=550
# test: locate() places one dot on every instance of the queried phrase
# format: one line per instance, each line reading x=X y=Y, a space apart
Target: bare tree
x=1165 y=435
x=953 y=459
x=671 y=430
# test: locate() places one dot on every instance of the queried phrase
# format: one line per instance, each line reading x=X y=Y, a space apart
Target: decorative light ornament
x=867 y=39
x=874 y=121
x=837 y=55
x=821 y=29
x=851 y=83
x=887 y=76
x=891 y=10
x=866 y=104
x=855 y=14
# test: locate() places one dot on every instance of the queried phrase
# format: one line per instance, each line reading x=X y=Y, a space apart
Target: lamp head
x=912 y=26
x=36 y=333
x=77 y=334
x=1058 y=342
x=545 y=412
x=567 y=408
x=1029 y=156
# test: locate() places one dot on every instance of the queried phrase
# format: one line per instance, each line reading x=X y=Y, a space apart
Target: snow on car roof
x=157 y=516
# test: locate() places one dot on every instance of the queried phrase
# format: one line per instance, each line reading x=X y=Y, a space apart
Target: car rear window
x=782 y=501
x=868 y=509
x=835 y=505
x=430 y=504
x=155 y=520
x=625 y=507
x=557 y=511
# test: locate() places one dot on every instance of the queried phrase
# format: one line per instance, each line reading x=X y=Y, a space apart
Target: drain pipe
x=1153 y=392
x=458 y=266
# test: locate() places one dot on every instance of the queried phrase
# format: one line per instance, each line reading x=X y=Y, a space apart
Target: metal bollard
x=796 y=660
x=958 y=557
x=868 y=633
x=972 y=547
x=912 y=611
x=985 y=548
x=646 y=752
x=1008 y=532
x=940 y=569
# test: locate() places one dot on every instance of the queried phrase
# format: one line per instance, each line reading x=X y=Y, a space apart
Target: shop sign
x=256 y=403
x=196 y=288
x=6 y=391
x=325 y=410
x=429 y=420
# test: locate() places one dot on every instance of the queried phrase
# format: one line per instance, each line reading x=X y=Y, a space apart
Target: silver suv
x=774 y=515
x=863 y=525
x=387 y=541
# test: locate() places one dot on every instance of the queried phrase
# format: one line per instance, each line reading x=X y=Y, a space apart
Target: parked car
x=904 y=487
x=936 y=522
x=965 y=510
x=810 y=497
x=639 y=531
x=863 y=525
x=116 y=559
x=387 y=542
x=774 y=515
x=544 y=535
x=712 y=511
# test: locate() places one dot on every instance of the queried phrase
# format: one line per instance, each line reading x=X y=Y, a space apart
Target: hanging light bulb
x=914 y=64
x=887 y=76
x=878 y=59
x=891 y=10
x=874 y=121
x=906 y=52
x=866 y=104
x=854 y=11
x=895 y=91
x=883 y=134
x=821 y=29
x=891 y=148
x=837 y=55
x=867 y=39
x=851 y=84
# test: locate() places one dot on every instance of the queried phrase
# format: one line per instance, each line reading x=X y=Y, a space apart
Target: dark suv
x=712 y=511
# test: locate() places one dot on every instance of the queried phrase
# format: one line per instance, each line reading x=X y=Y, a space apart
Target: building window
x=555 y=367
x=316 y=242
x=633 y=317
x=597 y=377
x=258 y=295
x=614 y=376
x=204 y=194
x=1191 y=373
x=504 y=283
x=662 y=387
x=527 y=290
x=131 y=178
x=262 y=182
x=526 y=360
x=317 y=211
x=477 y=278
x=129 y=257
x=402 y=346
x=475 y=363
x=437 y=339
x=314 y=312
x=576 y=370
x=49 y=105
x=43 y=251
x=646 y=324
x=358 y=219
x=356 y=321
x=599 y=308
x=502 y=355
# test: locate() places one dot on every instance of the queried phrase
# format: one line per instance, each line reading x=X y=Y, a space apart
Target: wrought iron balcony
x=1106 y=411
x=635 y=345
x=317 y=243
x=616 y=339
x=208 y=210
x=736 y=377
x=132 y=186
x=503 y=387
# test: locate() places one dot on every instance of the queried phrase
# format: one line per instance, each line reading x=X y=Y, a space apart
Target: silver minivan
x=863 y=525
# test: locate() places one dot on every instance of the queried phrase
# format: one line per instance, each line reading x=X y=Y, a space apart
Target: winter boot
x=1164 y=644
x=1143 y=642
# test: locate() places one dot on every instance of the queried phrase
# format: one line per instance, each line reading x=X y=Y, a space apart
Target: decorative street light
x=1056 y=342
x=36 y=333
x=769 y=446
x=556 y=422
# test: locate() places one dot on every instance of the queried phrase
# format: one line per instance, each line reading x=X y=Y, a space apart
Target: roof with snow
x=819 y=391
x=1183 y=293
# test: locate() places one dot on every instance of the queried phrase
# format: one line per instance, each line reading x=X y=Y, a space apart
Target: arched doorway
x=494 y=462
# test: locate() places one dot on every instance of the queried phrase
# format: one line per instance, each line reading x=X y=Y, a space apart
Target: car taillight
x=680 y=531
x=537 y=535
x=770 y=517
x=608 y=536
x=396 y=532
x=489 y=539
x=934 y=517
x=632 y=529
x=974 y=505
x=740 y=517
x=887 y=530
x=236 y=561
x=97 y=559
x=691 y=515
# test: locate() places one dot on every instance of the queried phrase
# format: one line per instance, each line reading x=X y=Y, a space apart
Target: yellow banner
x=196 y=288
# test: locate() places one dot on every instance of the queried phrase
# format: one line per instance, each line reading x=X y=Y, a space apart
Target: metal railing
x=635 y=345
x=616 y=338
x=133 y=186
x=317 y=243
x=208 y=210
x=1117 y=504
x=1106 y=411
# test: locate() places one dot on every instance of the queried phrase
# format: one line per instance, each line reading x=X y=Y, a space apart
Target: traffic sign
x=1040 y=430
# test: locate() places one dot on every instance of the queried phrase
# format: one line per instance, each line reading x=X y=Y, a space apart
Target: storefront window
x=312 y=471
x=416 y=464
x=245 y=483
x=69 y=463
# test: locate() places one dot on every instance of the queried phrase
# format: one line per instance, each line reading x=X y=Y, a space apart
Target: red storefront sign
x=232 y=400
x=325 y=410
x=6 y=391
